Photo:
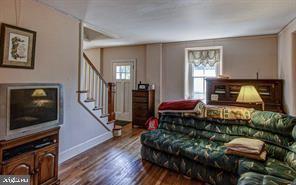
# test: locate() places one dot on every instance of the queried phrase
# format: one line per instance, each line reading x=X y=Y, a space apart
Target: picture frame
x=17 y=47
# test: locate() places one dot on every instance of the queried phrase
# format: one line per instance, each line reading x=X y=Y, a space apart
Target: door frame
x=133 y=61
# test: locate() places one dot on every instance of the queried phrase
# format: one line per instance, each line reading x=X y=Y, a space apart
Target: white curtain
x=204 y=57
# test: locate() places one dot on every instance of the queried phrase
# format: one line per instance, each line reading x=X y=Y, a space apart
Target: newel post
x=111 y=94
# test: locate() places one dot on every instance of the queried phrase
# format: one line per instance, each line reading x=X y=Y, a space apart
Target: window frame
x=123 y=72
x=188 y=83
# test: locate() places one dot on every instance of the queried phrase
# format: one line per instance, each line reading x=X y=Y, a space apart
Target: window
x=201 y=63
x=123 y=72
x=199 y=73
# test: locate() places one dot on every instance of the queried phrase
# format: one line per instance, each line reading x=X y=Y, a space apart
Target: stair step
x=82 y=91
x=97 y=108
x=104 y=115
x=89 y=100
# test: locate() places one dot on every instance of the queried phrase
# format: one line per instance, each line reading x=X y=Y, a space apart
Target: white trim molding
x=71 y=152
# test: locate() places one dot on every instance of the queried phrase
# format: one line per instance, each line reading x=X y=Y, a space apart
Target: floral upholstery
x=209 y=174
x=269 y=167
x=211 y=154
x=161 y=158
x=188 y=168
x=274 y=122
x=195 y=146
x=251 y=178
x=166 y=141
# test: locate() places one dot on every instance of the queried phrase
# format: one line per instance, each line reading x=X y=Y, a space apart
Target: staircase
x=95 y=94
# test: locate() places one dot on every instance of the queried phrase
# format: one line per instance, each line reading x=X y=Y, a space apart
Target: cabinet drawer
x=140 y=93
x=140 y=113
x=140 y=99
x=140 y=106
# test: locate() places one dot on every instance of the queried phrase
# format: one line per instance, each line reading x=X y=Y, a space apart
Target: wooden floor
x=118 y=161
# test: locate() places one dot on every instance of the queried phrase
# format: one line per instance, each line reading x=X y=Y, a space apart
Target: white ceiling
x=151 y=21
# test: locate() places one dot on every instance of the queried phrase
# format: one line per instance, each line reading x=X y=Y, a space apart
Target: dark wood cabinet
x=22 y=165
x=143 y=106
x=227 y=90
x=40 y=162
x=46 y=165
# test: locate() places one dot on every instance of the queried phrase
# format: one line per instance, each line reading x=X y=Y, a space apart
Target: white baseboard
x=71 y=152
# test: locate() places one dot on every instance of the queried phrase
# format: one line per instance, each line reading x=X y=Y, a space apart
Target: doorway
x=123 y=74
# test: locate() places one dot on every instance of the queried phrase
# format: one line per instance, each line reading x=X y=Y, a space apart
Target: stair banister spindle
x=103 y=97
x=103 y=90
x=96 y=91
x=106 y=99
x=88 y=81
x=84 y=75
x=101 y=93
x=93 y=84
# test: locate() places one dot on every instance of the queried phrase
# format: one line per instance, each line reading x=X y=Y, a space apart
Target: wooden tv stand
x=35 y=155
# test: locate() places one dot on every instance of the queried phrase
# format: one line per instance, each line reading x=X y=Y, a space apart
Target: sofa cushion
x=210 y=153
x=291 y=159
x=233 y=131
x=188 y=167
x=166 y=141
x=160 y=158
x=202 y=150
x=252 y=178
x=273 y=121
x=209 y=174
x=269 y=167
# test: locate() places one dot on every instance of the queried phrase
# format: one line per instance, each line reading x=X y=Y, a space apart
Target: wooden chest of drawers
x=143 y=106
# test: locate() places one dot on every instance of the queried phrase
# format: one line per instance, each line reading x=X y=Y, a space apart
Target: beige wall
x=56 y=61
x=164 y=63
x=94 y=55
x=122 y=53
x=242 y=58
x=154 y=68
x=287 y=65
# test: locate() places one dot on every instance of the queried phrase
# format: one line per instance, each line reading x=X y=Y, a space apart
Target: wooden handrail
x=94 y=68
x=98 y=91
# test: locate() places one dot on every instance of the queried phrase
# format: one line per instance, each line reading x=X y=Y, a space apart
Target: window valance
x=204 y=57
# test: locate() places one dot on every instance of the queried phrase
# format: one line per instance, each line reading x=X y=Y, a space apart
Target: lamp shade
x=249 y=94
x=39 y=93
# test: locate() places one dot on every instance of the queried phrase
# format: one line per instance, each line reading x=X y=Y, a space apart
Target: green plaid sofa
x=194 y=146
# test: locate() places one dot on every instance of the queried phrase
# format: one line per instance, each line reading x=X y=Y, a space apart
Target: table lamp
x=249 y=94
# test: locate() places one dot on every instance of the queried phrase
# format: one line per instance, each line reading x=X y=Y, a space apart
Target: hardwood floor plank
x=118 y=162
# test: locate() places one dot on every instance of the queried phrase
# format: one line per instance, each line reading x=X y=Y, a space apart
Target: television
x=29 y=108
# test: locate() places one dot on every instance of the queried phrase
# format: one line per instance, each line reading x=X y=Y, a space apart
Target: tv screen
x=32 y=106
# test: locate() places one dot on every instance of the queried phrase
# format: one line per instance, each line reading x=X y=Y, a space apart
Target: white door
x=124 y=78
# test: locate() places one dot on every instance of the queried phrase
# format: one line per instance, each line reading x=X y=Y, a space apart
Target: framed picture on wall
x=17 y=48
